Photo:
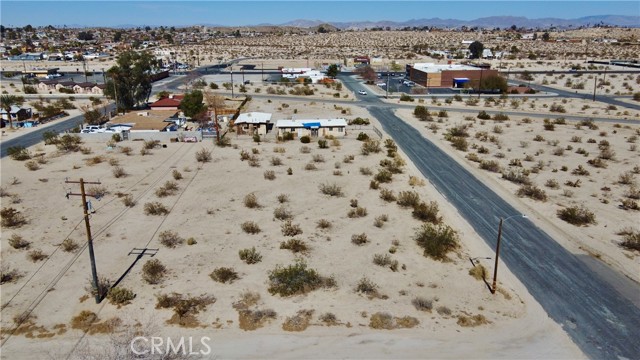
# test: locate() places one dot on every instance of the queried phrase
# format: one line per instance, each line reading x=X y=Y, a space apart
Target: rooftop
x=253 y=118
x=310 y=122
x=435 y=68
x=145 y=120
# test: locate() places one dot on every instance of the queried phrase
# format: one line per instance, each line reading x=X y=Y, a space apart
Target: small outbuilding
x=253 y=123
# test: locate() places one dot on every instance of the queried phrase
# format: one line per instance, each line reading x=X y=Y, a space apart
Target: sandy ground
x=600 y=191
x=208 y=207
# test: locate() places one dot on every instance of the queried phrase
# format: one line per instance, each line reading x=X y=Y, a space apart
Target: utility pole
x=387 y=87
x=595 y=86
x=232 y=82
x=480 y=84
x=85 y=207
x=495 y=266
x=263 y=71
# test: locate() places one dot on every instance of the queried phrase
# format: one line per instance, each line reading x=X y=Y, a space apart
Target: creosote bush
x=18 y=242
x=408 y=199
x=11 y=218
x=282 y=213
x=170 y=239
x=357 y=212
x=427 y=212
x=68 y=245
x=203 y=155
x=153 y=271
x=436 y=240
x=577 y=215
x=120 y=296
x=323 y=224
x=359 y=239
x=155 y=208
x=290 y=229
x=422 y=304
x=296 y=279
x=533 y=192
x=295 y=246
x=387 y=195
x=250 y=256
x=224 y=275
x=251 y=201
x=331 y=190
x=250 y=227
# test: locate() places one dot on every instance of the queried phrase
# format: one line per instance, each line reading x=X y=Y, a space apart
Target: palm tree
x=6 y=101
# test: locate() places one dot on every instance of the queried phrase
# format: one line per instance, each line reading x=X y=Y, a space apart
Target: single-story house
x=253 y=123
x=47 y=85
x=65 y=84
x=312 y=127
x=146 y=121
x=168 y=103
x=83 y=88
x=17 y=113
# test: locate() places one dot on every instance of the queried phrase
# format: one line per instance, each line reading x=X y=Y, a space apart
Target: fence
x=162 y=136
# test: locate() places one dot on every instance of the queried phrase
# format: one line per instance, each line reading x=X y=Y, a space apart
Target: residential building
x=147 y=121
x=16 y=113
x=312 y=127
x=253 y=123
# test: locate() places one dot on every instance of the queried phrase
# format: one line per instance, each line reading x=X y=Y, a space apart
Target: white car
x=362 y=92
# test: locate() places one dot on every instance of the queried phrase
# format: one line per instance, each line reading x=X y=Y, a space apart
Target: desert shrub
x=294 y=245
x=459 y=143
x=517 y=176
x=626 y=178
x=250 y=227
x=119 y=172
x=170 y=239
x=329 y=319
x=305 y=139
x=153 y=271
x=385 y=260
x=427 y=212
x=32 y=165
x=224 y=275
x=552 y=184
x=18 y=242
x=577 y=215
x=84 y=320
x=269 y=175
x=370 y=146
x=408 y=198
x=169 y=188
x=436 y=240
x=155 y=208
x=276 y=161
x=478 y=272
x=250 y=256
x=120 y=296
x=380 y=220
x=290 y=229
x=359 y=239
x=471 y=321
x=393 y=165
x=533 y=192
x=251 y=201
x=19 y=153
x=68 y=245
x=8 y=275
x=322 y=144
x=367 y=287
x=323 y=224
x=374 y=185
x=310 y=167
x=11 y=218
x=126 y=150
x=628 y=204
x=295 y=279
x=151 y=144
x=317 y=158
x=305 y=149
x=177 y=175
x=365 y=171
x=483 y=115
x=490 y=165
x=362 y=137
x=387 y=195
x=282 y=213
x=50 y=137
x=607 y=154
x=597 y=163
x=331 y=189
x=357 y=212
x=383 y=176
x=128 y=201
x=68 y=142
x=203 y=155
x=36 y=255
x=580 y=171
x=422 y=304
x=631 y=240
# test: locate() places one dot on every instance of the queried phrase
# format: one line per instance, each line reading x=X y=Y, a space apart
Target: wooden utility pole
x=85 y=207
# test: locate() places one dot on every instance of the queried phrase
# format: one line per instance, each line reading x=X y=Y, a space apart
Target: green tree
x=545 y=36
x=494 y=82
x=129 y=81
x=476 y=48
x=117 y=37
x=6 y=101
x=192 y=103
x=332 y=71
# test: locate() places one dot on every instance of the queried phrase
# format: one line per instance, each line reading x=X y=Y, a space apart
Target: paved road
x=602 y=321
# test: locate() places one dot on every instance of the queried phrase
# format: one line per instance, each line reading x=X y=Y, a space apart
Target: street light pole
x=232 y=83
x=495 y=266
x=595 y=86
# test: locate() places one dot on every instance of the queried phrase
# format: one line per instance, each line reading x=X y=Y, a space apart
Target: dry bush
x=224 y=275
x=169 y=188
x=11 y=218
x=415 y=181
x=631 y=240
x=255 y=319
x=580 y=171
x=97 y=191
x=323 y=224
x=607 y=154
x=310 y=167
x=269 y=175
x=427 y=212
x=203 y=155
x=533 y=192
x=490 y=165
x=276 y=161
x=170 y=239
x=365 y=171
x=299 y=322
x=8 y=275
x=282 y=213
x=357 y=212
x=317 y=158
x=329 y=319
x=155 y=208
x=279 y=150
x=305 y=149
x=331 y=189
x=250 y=227
x=151 y=144
x=374 y=185
x=128 y=201
x=626 y=178
x=385 y=260
x=144 y=152
x=295 y=246
x=247 y=300
x=18 y=242
x=577 y=215
x=95 y=160
x=36 y=255
x=367 y=287
x=184 y=309
x=348 y=159
x=436 y=240
x=408 y=199
x=472 y=321
x=126 y=150
x=153 y=271
x=250 y=256
x=422 y=304
x=380 y=220
x=387 y=195
x=119 y=172
x=359 y=239
x=120 y=296
x=478 y=272
x=296 y=279
x=633 y=193
x=370 y=146
x=251 y=201
x=283 y=198
x=177 y=175
x=628 y=204
x=84 y=320
x=32 y=165
x=385 y=321
x=443 y=310
x=68 y=245
x=597 y=163
x=383 y=176
x=290 y=229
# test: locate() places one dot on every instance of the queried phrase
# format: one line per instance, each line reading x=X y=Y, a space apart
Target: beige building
x=147 y=121
x=253 y=123
x=312 y=127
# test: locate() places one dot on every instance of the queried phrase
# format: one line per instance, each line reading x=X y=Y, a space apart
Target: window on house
x=340 y=129
x=330 y=128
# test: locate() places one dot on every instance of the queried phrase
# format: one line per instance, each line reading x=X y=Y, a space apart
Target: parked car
x=362 y=92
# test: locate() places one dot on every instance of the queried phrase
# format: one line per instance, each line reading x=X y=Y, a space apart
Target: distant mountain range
x=486 y=22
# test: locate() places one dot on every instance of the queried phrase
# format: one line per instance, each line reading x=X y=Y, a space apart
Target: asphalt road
x=602 y=321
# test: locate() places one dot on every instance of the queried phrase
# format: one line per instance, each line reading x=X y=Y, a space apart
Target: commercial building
x=447 y=75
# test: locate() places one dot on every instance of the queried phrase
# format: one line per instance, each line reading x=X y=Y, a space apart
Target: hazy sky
x=176 y=12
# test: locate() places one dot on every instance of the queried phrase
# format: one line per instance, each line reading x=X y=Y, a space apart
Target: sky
x=237 y=13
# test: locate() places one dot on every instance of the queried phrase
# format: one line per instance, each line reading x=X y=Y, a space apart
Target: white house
x=253 y=123
x=312 y=127
x=487 y=54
